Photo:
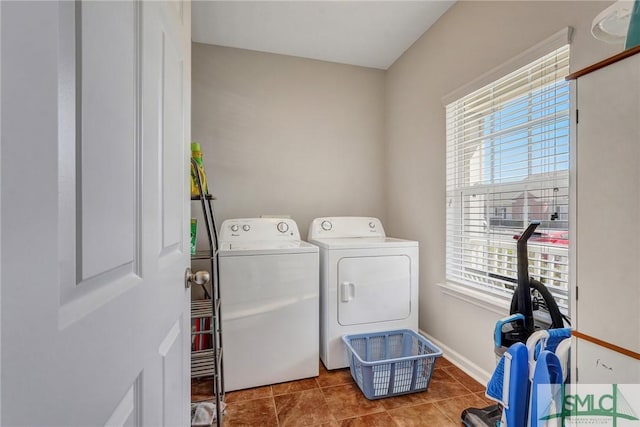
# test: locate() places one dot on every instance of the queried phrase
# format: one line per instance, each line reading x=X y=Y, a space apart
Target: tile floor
x=333 y=399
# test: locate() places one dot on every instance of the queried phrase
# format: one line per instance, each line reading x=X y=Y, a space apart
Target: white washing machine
x=269 y=303
x=368 y=282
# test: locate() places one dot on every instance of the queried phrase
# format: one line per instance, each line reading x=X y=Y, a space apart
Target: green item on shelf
x=196 y=154
x=194 y=229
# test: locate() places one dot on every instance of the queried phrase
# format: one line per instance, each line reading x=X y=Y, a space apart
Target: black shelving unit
x=209 y=362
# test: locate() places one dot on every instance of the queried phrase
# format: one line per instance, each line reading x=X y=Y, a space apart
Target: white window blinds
x=507 y=165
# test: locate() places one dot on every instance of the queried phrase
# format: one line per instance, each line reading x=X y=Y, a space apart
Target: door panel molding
x=172 y=105
x=100 y=231
x=105 y=160
x=170 y=339
x=127 y=412
x=172 y=353
x=106 y=290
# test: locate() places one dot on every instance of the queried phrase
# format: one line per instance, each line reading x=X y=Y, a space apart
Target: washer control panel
x=282 y=227
x=259 y=229
x=345 y=226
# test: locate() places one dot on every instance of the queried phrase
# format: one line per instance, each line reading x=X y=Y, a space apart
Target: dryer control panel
x=345 y=226
x=259 y=230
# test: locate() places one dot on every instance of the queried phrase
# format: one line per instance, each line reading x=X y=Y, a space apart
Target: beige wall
x=285 y=135
x=469 y=40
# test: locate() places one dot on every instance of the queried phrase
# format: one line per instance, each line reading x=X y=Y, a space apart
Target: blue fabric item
x=515 y=413
x=546 y=396
x=510 y=380
x=494 y=387
x=555 y=337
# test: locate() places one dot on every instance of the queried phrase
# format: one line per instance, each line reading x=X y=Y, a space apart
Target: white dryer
x=269 y=294
x=368 y=282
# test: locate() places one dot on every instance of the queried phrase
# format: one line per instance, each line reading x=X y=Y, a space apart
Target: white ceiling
x=358 y=32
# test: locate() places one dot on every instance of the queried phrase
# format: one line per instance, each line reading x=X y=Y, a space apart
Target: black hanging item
x=555 y=215
x=521 y=324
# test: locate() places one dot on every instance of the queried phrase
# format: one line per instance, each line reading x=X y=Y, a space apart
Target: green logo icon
x=588 y=408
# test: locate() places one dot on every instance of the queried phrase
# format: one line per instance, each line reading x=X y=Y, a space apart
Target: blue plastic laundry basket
x=391 y=363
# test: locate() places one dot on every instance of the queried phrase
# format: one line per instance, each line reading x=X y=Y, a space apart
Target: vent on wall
x=611 y=24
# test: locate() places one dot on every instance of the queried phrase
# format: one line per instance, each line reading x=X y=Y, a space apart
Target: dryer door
x=373 y=289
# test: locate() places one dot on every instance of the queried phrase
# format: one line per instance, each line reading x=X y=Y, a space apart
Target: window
x=507 y=165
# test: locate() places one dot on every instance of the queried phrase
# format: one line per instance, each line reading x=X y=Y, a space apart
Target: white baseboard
x=470 y=368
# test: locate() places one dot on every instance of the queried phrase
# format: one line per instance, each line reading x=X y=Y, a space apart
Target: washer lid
x=265 y=248
x=363 y=243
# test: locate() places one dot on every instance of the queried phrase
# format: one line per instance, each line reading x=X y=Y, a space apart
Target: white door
x=373 y=289
x=94 y=213
x=608 y=204
x=607 y=248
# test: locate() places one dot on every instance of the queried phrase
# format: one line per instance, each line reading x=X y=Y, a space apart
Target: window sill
x=492 y=303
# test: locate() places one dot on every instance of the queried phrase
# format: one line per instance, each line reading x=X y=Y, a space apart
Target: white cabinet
x=606 y=230
x=601 y=365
